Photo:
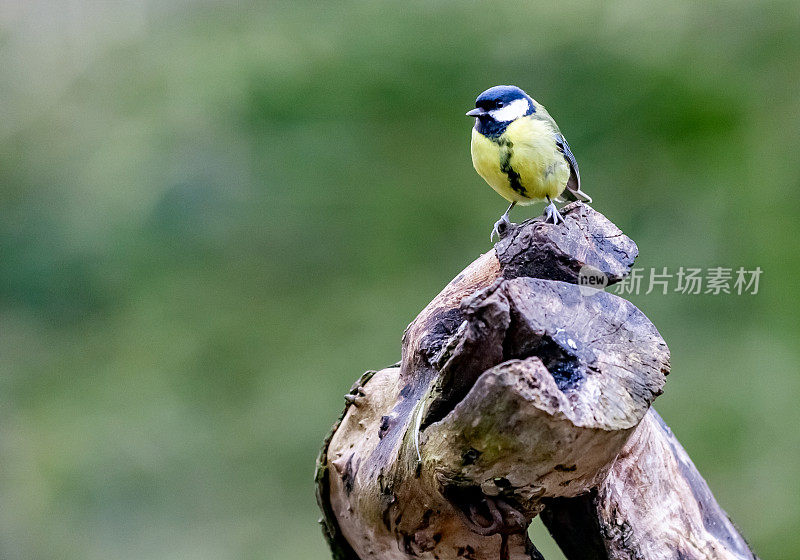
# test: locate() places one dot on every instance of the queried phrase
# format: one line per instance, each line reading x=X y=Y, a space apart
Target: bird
x=520 y=152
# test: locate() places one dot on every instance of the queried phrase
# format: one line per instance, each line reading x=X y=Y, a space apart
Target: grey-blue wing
x=573 y=190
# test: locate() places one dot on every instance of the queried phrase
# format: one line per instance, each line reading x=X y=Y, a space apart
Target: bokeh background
x=215 y=215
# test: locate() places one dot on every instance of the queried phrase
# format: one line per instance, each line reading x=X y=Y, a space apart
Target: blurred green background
x=215 y=215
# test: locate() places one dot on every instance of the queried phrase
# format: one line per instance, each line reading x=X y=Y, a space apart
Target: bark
x=519 y=393
x=653 y=502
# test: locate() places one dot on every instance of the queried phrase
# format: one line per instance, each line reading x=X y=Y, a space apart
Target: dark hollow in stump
x=521 y=393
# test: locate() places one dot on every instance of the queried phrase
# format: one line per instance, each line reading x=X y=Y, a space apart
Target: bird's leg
x=551 y=213
x=501 y=225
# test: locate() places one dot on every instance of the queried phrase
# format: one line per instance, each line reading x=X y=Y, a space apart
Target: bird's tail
x=573 y=192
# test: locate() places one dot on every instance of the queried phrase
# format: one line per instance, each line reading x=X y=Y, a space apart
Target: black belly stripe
x=505 y=167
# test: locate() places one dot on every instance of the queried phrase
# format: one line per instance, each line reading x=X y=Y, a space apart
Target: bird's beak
x=476 y=112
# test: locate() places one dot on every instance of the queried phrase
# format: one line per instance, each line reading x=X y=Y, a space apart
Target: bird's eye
x=500 y=103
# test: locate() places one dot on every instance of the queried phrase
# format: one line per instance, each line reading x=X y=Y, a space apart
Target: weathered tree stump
x=520 y=393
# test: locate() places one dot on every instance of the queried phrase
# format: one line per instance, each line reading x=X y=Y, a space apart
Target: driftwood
x=520 y=393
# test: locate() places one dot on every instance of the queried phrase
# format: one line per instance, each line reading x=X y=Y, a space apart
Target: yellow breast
x=523 y=164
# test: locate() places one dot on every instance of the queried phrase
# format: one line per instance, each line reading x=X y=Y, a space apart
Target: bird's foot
x=551 y=214
x=500 y=228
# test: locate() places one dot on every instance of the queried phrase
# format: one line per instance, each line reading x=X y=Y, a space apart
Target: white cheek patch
x=513 y=110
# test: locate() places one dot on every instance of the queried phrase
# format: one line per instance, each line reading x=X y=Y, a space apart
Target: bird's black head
x=497 y=107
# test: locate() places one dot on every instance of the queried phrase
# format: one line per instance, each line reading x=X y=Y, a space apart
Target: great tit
x=518 y=149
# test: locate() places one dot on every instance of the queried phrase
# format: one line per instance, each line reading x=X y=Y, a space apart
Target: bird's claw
x=500 y=228
x=551 y=214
